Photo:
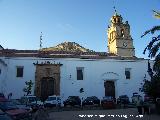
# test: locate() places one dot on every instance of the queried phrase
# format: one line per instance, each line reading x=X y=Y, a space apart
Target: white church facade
x=67 y=72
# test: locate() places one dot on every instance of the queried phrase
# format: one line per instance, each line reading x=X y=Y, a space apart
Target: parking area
x=112 y=114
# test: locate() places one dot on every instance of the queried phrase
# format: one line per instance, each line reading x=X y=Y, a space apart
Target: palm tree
x=154 y=45
x=152 y=87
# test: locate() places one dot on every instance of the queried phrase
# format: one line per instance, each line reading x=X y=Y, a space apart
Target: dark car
x=1 y=95
x=13 y=111
x=93 y=100
x=108 y=102
x=20 y=105
x=4 y=116
x=72 y=101
x=123 y=99
x=3 y=99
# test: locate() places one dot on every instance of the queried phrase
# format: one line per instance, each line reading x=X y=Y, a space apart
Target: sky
x=82 y=21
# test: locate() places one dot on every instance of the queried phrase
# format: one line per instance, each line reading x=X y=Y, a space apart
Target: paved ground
x=115 y=114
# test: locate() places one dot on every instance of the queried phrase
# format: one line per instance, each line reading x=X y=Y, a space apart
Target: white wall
x=93 y=82
x=2 y=77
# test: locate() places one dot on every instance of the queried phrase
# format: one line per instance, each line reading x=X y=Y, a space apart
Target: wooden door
x=47 y=87
x=109 y=88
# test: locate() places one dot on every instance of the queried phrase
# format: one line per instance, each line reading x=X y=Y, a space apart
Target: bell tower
x=120 y=41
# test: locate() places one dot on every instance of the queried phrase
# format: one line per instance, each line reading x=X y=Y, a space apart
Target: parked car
x=4 y=116
x=1 y=95
x=13 y=111
x=123 y=99
x=72 y=100
x=52 y=101
x=20 y=105
x=31 y=100
x=108 y=102
x=93 y=100
x=2 y=99
x=135 y=98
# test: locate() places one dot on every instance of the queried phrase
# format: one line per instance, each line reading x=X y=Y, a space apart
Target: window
x=19 y=71
x=115 y=20
x=122 y=33
x=80 y=73
x=118 y=20
x=128 y=73
x=0 y=71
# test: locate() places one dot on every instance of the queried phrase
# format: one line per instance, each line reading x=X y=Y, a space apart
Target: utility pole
x=40 y=45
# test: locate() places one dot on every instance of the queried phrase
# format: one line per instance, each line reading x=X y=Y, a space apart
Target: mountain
x=68 y=46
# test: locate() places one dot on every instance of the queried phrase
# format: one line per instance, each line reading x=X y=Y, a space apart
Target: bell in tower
x=120 y=41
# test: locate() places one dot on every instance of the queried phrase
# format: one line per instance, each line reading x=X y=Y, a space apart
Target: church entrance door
x=109 y=88
x=47 y=87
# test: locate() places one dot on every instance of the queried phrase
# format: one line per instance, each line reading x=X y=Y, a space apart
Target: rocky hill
x=68 y=46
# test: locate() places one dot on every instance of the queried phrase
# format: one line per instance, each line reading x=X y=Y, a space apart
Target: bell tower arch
x=120 y=41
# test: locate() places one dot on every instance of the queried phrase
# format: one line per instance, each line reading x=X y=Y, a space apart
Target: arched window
x=122 y=33
x=118 y=20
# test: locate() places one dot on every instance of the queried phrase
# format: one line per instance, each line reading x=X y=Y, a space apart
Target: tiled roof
x=1 y=47
x=60 y=54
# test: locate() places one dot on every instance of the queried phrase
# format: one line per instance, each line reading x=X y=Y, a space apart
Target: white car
x=52 y=101
x=32 y=100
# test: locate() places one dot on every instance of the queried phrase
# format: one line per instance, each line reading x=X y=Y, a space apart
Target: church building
x=69 y=69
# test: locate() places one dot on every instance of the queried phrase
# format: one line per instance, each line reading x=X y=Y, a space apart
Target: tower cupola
x=116 y=18
x=120 y=41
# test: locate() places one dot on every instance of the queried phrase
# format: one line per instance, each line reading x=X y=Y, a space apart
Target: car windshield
x=32 y=99
x=108 y=98
x=73 y=97
x=16 y=102
x=7 y=105
x=51 y=98
x=88 y=98
x=94 y=97
x=38 y=99
x=123 y=96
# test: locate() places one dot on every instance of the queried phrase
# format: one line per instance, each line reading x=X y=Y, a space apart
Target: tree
x=152 y=87
x=28 y=87
x=154 y=45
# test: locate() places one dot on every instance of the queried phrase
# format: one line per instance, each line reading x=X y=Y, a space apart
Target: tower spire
x=40 y=45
